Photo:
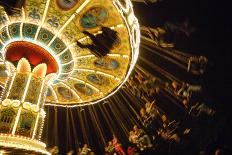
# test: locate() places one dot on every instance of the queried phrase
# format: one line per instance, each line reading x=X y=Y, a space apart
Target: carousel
x=42 y=63
x=85 y=77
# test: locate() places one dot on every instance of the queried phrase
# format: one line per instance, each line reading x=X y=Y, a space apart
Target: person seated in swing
x=110 y=148
x=101 y=43
x=143 y=138
x=85 y=150
x=201 y=108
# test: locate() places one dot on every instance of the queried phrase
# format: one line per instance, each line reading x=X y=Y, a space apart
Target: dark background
x=212 y=39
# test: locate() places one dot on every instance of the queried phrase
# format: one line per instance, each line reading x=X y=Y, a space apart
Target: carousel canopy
x=46 y=31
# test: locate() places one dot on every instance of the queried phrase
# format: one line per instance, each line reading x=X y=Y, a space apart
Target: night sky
x=212 y=39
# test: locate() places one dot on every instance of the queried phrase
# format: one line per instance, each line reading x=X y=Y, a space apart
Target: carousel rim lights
x=20 y=142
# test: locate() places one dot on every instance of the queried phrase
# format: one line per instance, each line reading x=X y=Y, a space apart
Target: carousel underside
x=55 y=26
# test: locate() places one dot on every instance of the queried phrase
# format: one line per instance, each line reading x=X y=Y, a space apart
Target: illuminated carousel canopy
x=46 y=31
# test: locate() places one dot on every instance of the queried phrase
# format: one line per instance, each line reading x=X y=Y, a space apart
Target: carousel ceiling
x=50 y=28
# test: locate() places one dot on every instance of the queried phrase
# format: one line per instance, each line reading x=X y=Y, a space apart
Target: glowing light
x=54 y=93
x=40 y=70
x=96 y=71
x=66 y=73
x=88 y=84
x=82 y=39
x=82 y=6
x=111 y=55
x=23 y=14
x=11 y=84
x=1 y=41
x=98 y=32
x=36 y=125
x=20 y=142
x=7 y=31
x=23 y=66
x=59 y=54
x=131 y=18
x=16 y=120
x=84 y=56
x=67 y=48
x=43 y=19
x=85 y=70
x=21 y=30
x=69 y=20
x=106 y=74
x=26 y=88
x=7 y=17
x=126 y=8
x=67 y=63
x=119 y=55
x=41 y=92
